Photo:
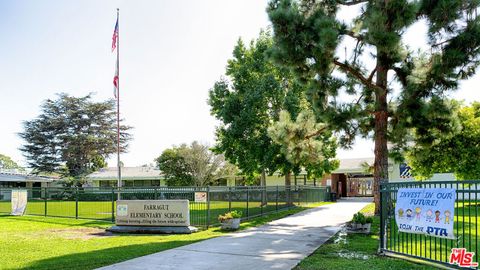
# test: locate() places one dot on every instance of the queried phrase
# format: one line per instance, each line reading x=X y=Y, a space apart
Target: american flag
x=114 y=46
x=115 y=37
x=115 y=81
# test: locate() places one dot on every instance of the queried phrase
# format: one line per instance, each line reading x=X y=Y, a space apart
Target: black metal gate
x=466 y=223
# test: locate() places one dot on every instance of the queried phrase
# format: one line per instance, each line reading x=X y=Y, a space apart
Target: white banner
x=427 y=211
x=201 y=197
x=19 y=202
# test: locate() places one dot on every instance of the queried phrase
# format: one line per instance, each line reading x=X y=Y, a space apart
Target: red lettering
x=456 y=256
x=462 y=257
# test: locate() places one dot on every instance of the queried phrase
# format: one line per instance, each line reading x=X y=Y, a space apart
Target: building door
x=358 y=187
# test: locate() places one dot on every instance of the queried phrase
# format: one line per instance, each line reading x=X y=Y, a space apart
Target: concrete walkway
x=280 y=244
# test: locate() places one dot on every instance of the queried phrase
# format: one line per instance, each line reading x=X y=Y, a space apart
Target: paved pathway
x=280 y=244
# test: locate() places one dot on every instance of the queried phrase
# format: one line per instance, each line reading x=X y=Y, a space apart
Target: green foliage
x=367 y=168
x=354 y=94
x=7 y=163
x=305 y=142
x=248 y=101
x=369 y=220
x=174 y=168
x=73 y=136
x=455 y=151
x=192 y=165
x=359 y=218
x=230 y=215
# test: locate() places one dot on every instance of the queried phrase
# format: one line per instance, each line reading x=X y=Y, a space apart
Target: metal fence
x=466 y=223
x=100 y=203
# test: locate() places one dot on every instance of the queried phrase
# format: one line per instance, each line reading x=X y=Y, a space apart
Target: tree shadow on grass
x=98 y=258
x=65 y=221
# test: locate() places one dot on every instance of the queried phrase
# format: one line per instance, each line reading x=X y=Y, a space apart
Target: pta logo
x=462 y=258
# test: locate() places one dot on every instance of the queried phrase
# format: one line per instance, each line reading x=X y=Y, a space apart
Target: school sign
x=428 y=211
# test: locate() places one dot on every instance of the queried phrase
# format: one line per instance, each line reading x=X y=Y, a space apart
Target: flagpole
x=119 y=184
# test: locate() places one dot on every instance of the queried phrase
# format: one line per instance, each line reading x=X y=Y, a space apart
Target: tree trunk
x=263 y=183
x=381 y=124
x=288 y=187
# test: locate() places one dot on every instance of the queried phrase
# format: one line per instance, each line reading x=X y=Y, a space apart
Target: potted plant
x=230 y=220
x=361 y=223
x=368 y=224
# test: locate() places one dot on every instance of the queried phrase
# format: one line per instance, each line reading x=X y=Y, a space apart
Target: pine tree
x=73 y=136
x=355 y=95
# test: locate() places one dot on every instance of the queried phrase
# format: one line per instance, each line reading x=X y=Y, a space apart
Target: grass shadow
x=58 y=220
x=98 y=258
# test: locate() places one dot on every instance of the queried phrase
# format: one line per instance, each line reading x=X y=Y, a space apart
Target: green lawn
x=354 y=251
x=32 y=242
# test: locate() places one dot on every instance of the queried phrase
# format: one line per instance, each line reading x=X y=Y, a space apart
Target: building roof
x=132 y=173
x=353 y=165
x=23 y=177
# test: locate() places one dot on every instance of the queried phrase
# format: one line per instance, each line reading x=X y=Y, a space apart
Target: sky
x=171 y=54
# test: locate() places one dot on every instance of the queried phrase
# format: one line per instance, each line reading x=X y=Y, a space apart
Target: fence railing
x=100 y=203
x=466 y=223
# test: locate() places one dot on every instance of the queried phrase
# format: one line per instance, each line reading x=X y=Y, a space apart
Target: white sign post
x=19 y=202
x=428 y=211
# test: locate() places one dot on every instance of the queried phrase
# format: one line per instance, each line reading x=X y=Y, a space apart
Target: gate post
x=46 y=197
x=113 y=204
x=208 y=207
x=383 y=207
x=76 y=202
x=248 y=199
x=229 y=199
x=276 y=200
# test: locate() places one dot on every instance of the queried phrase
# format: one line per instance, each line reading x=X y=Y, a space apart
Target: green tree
x=191 y=165
x=174 y=168
x=73 y=136
x=453 y=152
x=7 y=163
x=305 y=142
x=352 y=69
x=247 y=102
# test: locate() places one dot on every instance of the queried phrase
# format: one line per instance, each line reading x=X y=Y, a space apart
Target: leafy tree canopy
x=248 y=102
x=192 y=165
x=456 y=151
x=73 y=136
x=7 y=163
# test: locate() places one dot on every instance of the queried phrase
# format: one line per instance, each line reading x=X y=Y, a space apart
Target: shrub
x=369 y=220
x=359 y=218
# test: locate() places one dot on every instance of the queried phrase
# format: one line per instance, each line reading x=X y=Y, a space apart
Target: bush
x=230 y=215
x=359 y=218
x=369 y=220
